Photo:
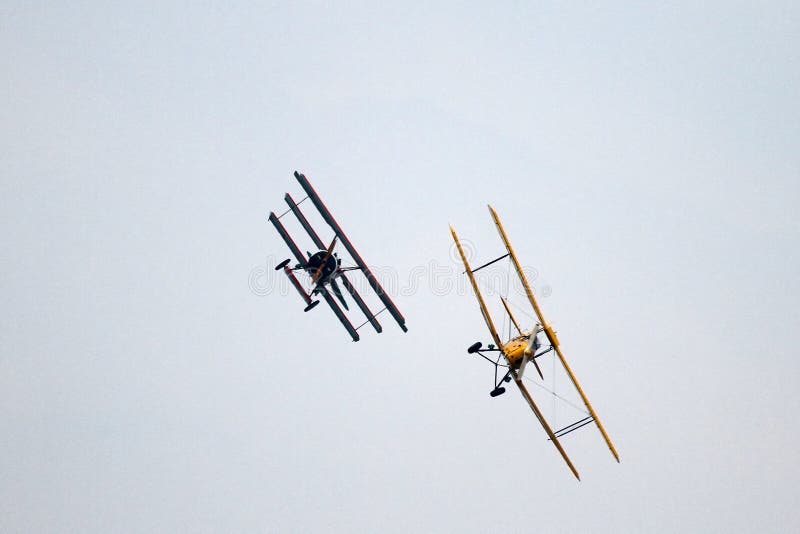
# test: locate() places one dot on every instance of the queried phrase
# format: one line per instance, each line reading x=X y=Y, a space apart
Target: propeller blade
x=538 y=370
x=530 y=352
x=325 y=259
x=522 y=365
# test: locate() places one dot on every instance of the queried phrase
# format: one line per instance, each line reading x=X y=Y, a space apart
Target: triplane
x=324 y=267
x=526 y=348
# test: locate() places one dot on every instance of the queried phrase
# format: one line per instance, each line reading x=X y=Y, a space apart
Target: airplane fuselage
x=514 y=349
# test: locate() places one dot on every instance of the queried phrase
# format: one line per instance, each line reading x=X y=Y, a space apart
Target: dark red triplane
x=325 y=267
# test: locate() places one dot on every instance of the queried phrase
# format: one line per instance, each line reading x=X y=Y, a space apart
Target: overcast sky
x=155 y=376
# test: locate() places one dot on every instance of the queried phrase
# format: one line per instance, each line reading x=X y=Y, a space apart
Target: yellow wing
x=549 y=331
x=484 y=310
x=544 y=423
x=517 y=377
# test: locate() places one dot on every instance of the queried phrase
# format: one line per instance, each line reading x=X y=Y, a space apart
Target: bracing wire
x=508 y=279
x=556 y=395
x=488 y=284
x=506 y=293
x=524 y=312
x=554 y=388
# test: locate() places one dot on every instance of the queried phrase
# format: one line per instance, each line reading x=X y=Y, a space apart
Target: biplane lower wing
x=543 y=422
x=478 y=295
x=373 y=282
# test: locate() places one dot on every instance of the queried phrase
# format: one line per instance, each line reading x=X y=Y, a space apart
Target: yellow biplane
x=525 y=348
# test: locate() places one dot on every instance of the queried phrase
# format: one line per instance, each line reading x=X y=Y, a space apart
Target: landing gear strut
x=498 y=388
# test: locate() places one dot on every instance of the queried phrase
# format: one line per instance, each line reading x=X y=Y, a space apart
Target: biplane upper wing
x=301 y=260
x=373 y=282
x=548 y=330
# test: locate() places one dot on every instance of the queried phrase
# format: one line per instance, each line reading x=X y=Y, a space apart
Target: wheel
x=282 y=264
x=475 y=347
x=497 y=391
x=311 y=306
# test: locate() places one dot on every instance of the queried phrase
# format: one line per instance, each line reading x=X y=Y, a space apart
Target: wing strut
x=304 y=222
x=511 y=315
x=549 y=331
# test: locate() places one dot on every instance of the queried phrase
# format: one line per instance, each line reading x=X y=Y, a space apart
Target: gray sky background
x=644 y=159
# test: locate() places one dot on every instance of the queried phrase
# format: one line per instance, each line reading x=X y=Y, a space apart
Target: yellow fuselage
x=514 y=350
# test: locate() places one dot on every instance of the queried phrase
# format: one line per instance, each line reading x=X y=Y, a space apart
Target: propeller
x=530 y=353
x=325 y=259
